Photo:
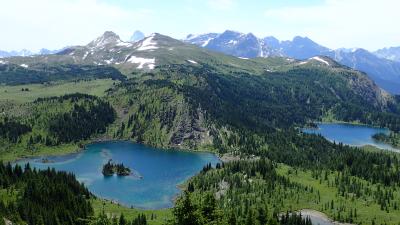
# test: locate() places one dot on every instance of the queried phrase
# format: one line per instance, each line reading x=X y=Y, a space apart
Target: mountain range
x=383 y=66
x=173 y=94
x=392 y=53
x=136 y=36
x=25 y=52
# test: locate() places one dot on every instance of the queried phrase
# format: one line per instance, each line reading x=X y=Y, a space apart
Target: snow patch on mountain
x=192 y=61
x=150 y=63
x=206 y=42
x=319 y=59
x=124 y=44
x=233 y=42
x=148 y=44
x=24 y=65
x=109 y=61
x=192 y=36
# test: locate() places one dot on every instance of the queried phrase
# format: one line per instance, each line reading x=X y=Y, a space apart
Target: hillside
x=176 y=95
x=380 y=66
x=180 y=95
x=52 y=123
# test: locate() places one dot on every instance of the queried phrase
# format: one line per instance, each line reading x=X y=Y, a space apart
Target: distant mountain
x=385 y=72
x=109 y=50
x=45 y=51
x=137 y=36
x=201 y=40
x=4 y=54
x=303 y=48
x=392 y=53
x=25 y=52
x=233 y=43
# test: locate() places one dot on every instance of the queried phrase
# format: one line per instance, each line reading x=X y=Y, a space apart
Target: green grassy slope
x=15 y=94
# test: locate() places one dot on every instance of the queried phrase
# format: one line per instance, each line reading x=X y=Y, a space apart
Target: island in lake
x=110 y=169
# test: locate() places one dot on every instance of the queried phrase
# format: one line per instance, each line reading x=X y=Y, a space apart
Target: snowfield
x=148 y=44
x=150 y=63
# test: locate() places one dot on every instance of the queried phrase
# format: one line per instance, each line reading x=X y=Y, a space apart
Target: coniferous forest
x=248 y=112
x=43 y=197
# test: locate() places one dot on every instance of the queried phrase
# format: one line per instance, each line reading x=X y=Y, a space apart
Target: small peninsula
x=110 y=169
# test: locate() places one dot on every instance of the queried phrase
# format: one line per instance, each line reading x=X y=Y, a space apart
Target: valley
x=162 y=94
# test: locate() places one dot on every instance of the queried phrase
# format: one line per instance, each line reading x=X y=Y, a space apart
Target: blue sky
x=179 y=18
x=54 y=24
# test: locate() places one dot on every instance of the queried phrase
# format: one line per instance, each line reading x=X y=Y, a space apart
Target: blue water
x=161 y=171
x=354 y=135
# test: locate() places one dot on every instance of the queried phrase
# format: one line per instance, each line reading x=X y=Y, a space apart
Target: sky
x=53 y=24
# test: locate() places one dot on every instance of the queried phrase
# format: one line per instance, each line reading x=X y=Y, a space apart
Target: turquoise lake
x=355 y=135
x=161 y=171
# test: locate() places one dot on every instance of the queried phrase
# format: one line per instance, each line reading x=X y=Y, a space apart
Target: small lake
x=350 y=134
x=160 y=170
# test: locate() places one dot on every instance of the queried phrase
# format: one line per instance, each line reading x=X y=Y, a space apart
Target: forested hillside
x=199 y=105
x=42 y=197
x=250 y=110
x=54 y=121
x=285 y=171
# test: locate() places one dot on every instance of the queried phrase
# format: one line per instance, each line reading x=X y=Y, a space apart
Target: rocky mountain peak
x=108 y=37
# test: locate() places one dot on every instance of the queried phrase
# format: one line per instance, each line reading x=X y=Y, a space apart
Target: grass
x=16 y=95
x=367 y=210
x=159 y=216
x=14 y=152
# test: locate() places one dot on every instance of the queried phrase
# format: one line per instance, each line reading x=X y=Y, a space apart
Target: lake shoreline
x=160 y=165
x=105 y=140
x=353 y=135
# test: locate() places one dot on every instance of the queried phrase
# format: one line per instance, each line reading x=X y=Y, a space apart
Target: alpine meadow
x=219 y=128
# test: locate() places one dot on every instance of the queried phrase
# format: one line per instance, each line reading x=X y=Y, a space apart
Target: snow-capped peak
x=108 y=37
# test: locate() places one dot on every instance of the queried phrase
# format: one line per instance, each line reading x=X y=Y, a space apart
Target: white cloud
x=56 y=23
x=341 y=23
